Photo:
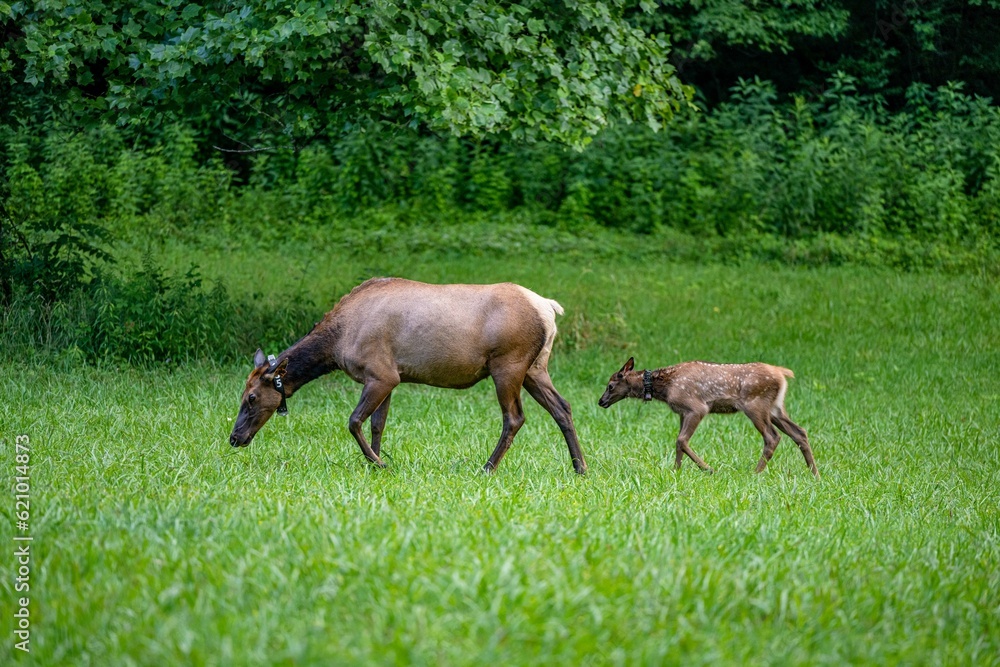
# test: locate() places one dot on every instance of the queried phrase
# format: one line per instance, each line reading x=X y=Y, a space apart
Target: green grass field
x=156 y=543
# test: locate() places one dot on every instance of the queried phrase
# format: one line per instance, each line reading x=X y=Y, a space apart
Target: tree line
x=249 y=75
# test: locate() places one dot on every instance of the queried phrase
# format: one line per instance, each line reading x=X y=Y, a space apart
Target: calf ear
x=259 y=359
x=629 y=365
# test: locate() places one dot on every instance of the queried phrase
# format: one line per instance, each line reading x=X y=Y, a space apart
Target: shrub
x=48 y=218
x=149 y=316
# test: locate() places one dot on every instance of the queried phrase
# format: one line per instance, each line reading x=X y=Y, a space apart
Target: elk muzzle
x=246 y=427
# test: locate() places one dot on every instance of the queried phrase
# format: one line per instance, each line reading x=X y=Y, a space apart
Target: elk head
x=618 y=387
x=263 y=394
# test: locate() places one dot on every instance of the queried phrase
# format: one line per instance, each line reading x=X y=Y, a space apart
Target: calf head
x=260 y=399
x=618 y=387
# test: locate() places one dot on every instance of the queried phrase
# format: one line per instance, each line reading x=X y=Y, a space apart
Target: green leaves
x=525 y=70
x=532 y=70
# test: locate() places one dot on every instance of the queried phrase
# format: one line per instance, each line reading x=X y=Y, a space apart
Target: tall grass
x=157 y=543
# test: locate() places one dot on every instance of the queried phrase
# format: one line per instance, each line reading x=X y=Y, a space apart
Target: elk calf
x=694 y=389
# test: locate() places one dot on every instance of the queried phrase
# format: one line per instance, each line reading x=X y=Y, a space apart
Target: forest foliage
x=532 y=69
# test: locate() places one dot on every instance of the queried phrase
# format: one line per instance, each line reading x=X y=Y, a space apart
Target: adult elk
x=391 y=330
x=694 y=389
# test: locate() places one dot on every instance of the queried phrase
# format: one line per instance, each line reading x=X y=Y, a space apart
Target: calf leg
x=378 y=424
x=539 y=385
x=689 y=422
x=372 y=396
x=762 y=422
x=509 y=396
x=798 y=434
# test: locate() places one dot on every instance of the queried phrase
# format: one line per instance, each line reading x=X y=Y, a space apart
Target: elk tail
x=559 y=309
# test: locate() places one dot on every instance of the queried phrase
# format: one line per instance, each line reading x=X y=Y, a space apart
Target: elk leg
x=372 y=396
x=378 y=424
x=798 y=434
x=509 y=396
x=539 y=385
x=762 y=422
x=689 y=422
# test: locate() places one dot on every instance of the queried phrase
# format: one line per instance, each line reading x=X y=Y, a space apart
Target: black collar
x=647 y=385
x=283 y=408
x=280 y=386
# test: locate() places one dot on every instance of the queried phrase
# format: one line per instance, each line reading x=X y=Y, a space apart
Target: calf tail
x=778 y=409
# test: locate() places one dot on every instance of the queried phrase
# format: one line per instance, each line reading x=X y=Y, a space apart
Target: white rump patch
x=779 y=403
x=547 y=310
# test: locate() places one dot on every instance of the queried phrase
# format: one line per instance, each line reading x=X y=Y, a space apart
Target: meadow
x=157 y=543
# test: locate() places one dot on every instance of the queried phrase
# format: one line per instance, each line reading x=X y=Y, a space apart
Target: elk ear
x=259 y=359
x=629 y=365
x=277 y=371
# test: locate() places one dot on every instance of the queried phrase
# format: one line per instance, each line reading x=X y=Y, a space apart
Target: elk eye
x=252 y=397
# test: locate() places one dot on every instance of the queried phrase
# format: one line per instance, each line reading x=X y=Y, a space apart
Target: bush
x=837 y=164
x=48 y=218
x=63 y=195
x=149 y=317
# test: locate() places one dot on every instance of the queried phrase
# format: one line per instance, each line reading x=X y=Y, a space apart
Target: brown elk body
x=389 y=330
x=694 y=389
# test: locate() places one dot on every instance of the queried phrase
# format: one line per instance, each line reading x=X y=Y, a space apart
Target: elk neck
x=660 y=381
x=311 y=357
